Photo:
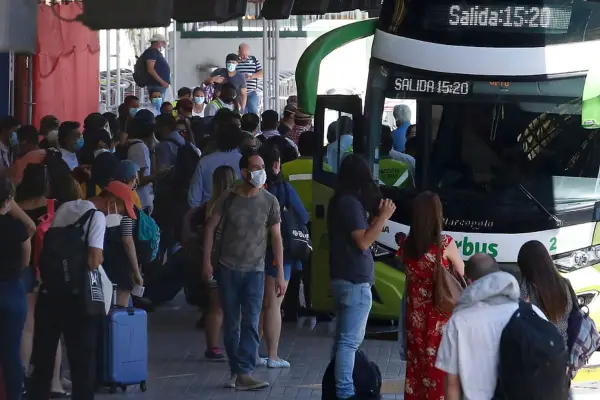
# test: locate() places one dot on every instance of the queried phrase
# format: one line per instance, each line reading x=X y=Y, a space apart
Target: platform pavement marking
x=591 y=372
x=388 y=386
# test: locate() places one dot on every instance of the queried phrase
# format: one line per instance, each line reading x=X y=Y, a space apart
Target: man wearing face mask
x=156 y=101
x=229 y=74
x=8 y=140
x=157 y=66
x=70 y=141
x=251 y=218
x=226 y=99
x=49 y=131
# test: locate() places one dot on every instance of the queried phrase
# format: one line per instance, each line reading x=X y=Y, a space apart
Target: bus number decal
x=553 y=241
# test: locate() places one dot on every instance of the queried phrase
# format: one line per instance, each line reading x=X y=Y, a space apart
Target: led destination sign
x=432 y=86
x=547 y=19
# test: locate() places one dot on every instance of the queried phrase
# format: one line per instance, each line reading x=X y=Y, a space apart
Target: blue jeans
x=241 y=295
x=252 y=103
x=13 y=311
x=352 y=302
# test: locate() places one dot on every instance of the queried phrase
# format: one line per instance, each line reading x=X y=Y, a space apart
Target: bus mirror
x=590 y=101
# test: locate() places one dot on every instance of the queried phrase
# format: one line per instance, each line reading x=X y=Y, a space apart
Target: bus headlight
x=574 y=260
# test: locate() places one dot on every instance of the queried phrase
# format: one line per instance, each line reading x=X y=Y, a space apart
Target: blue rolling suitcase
x=125 y=349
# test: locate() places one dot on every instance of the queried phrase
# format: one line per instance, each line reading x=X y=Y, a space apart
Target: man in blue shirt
x=228 y=141
x=170 y=141
x=402 y=115
x=157 y=65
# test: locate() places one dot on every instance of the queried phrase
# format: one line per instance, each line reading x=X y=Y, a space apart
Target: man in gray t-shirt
x=245 y=219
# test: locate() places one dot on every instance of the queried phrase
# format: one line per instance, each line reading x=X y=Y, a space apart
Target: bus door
x=336 y=119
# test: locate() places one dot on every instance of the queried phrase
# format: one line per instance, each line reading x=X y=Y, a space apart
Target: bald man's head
x=480 y=265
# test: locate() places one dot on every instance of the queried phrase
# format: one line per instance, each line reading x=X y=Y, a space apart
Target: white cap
x=157 y=37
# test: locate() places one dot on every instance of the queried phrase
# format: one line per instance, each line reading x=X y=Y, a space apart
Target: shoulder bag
x=448 y=285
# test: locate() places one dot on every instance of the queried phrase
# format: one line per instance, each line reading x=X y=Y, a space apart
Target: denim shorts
x=271 y=270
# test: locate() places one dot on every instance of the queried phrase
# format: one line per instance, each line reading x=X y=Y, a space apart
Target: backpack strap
x=50 y=207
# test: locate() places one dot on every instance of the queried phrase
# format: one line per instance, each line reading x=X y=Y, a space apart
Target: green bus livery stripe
x=307 y=70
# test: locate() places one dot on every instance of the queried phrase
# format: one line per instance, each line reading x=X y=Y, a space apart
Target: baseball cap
x=232 y=57
x=157 y=37
x=125 y=171
x=124 y=193
x=302 y=116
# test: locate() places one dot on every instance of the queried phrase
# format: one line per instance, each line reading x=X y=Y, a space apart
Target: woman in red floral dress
x=424 y=323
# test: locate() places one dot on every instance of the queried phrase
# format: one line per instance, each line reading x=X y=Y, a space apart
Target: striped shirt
x=251 y=65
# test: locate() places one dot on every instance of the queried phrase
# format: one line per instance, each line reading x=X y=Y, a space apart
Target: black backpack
x=122 y=151
x=533 y=359
x=171 y=192
x=64 y=259
x=140 y=71
x=366 y=376
x=294 y=232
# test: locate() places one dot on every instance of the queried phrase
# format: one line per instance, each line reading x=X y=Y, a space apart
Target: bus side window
x=339 y=139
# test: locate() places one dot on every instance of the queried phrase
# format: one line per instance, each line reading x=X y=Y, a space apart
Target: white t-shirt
x=470 y=347
x=199 y=114
x=139 y=154
x=70 y=212
x=70 y=158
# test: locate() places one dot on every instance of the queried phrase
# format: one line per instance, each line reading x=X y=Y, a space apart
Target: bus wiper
x=539 y=205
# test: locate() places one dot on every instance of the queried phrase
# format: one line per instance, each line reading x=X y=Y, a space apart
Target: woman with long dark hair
x=355 y=217
x=543 y=286
x=424 y=250
x=271 y=312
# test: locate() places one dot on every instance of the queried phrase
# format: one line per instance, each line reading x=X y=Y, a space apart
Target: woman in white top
x=199 y=98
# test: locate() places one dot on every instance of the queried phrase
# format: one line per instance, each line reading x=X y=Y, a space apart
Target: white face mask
x=113 y=220
x=53 y=136
x=258 y=178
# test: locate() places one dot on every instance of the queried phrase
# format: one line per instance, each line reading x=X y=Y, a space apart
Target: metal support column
x=30 y=89
x=271 y=67
x=174 y=61
x=118 y=99
x=108 y=77
x=276 y=66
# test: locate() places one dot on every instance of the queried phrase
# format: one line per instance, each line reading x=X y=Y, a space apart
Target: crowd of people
x=209 y=182
x=219 y=181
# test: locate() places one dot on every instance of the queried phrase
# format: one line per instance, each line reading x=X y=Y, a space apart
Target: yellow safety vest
x=394 y=173
x=299 y=174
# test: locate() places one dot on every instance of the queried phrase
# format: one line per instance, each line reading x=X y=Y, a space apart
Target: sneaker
x=248 y=382
x=279 y=363
x=261 y=361
x=231 y=381
x=214 y=354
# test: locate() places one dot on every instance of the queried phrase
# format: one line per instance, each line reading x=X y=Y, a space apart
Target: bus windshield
x=499 y=148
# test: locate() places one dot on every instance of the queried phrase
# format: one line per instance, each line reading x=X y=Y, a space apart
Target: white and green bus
x=507 y=129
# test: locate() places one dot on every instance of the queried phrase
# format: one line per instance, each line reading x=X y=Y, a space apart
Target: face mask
x=157 y=102
x=132 y=112
x=79 y=144
x=198 y=100
x=231 y=67
x=14 y=142
x=258 y=178
x=113 y=220
x=53 y=136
